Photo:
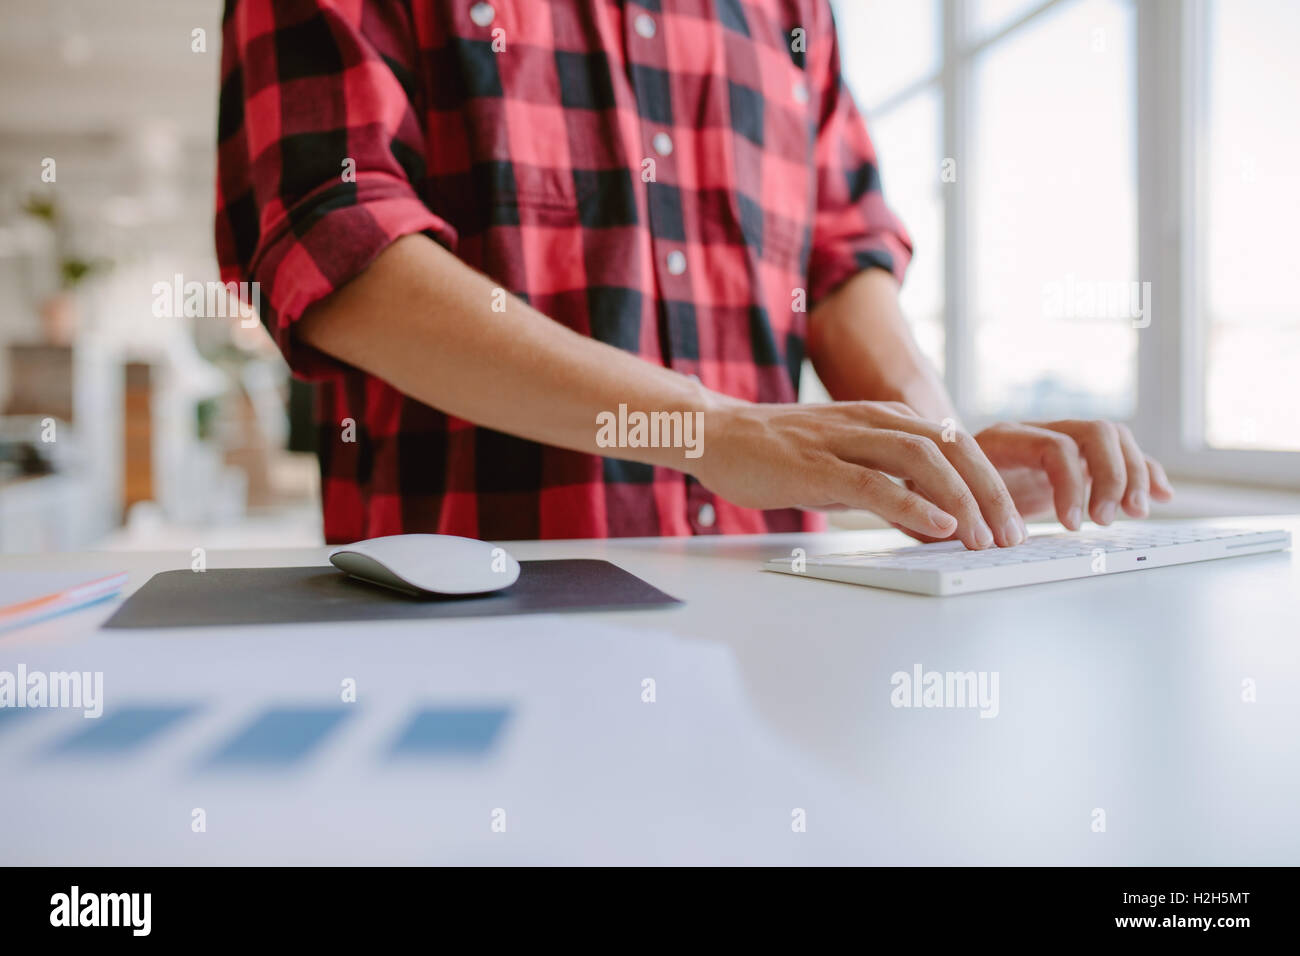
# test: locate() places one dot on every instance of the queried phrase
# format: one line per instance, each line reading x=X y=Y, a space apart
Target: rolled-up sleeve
x=320 y=150
x=853 y=229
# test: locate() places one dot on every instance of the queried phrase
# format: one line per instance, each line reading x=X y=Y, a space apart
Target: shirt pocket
x=510 y=101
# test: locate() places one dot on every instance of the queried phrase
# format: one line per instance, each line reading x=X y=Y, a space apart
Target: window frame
x=1172 y=114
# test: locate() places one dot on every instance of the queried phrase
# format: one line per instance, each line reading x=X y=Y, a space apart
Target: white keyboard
x=948 y=568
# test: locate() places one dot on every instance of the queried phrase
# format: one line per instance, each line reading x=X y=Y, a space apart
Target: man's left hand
x=1075 y=468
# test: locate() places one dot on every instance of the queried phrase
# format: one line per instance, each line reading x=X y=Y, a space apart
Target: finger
x=923 y=538
x=995 y=502
x=1052 y=452
x=1030 y=490
x=1099 y=444
x=900 y=407
x=868 y=489
x=919 y=460
x=1161 y=488
x=1137 y=494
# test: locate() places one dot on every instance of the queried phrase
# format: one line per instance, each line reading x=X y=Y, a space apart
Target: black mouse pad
x=240 y=596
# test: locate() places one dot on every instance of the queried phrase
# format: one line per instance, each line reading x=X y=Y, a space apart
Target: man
x=486 y=228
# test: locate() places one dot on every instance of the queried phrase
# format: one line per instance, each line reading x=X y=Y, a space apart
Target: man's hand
x=863 y=349
x=1075 y=468
x=839 y=456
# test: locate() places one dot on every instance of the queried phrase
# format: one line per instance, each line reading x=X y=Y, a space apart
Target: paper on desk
x=619 y=745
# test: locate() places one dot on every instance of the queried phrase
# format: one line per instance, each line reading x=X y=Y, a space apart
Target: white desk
x=1121 y=693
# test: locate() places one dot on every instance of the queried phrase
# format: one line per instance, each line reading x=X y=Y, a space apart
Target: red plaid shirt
x=678 y=178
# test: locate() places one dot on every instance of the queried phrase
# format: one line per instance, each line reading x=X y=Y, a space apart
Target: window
x=1053 y=218
x=1117 y=238
x=910 y=165
x=1252 y=205
x=988 y=17
x=892 y=71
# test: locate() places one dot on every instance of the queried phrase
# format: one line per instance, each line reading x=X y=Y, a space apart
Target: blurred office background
x=1044 y=155
x=170 y=431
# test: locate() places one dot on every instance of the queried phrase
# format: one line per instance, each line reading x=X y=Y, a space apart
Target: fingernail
x=1074 y=520
x=1106 y=513
x=945 y=522
x=1140 y=502
x=983 y=536
x=1024 y=528
x=1012 y=533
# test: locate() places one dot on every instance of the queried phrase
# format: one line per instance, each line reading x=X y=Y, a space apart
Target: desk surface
x=1141 y=718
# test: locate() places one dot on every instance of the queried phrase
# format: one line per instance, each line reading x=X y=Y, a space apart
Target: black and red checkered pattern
x=662 y=175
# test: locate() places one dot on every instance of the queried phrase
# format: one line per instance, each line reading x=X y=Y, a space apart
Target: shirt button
x=663 y=144
x=706 y=516
x=482 y=14
x=645 y=25
x=676 y=262
x=800 y=93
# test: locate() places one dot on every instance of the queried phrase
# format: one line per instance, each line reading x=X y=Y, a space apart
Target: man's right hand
x=840 y=455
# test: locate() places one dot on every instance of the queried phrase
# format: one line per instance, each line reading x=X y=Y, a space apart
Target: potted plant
x=59 y=310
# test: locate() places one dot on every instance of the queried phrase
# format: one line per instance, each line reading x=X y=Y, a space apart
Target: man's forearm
x=423 y=321
x=862 y=348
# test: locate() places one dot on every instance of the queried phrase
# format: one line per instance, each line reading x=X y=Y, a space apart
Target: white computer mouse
x=428 y=564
